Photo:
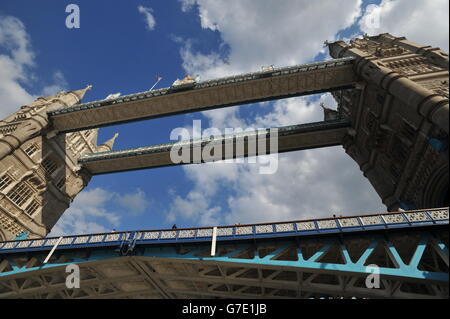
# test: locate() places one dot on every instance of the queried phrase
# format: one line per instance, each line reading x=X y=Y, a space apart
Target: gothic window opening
x=30 y=150
x=32 y=208
x=5 y=181
x=49 y=165
x=70 y=137
x=20 y=194
x=408 y=131
x=78 y=145
x=61 y=183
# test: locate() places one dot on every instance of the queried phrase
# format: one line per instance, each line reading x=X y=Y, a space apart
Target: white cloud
x=16 y=44
x=14 y=38
x=266 y=32
x=296 y=111
x=135 y=203
x=60 y=84
x=80 y=217
x=15 y=64
x=421 y=21
x=313 y=183
x=91 y=211
x=195 y=207
x=149 y=18
x=187 y=5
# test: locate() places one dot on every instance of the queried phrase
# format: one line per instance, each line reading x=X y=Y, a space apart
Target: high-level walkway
x=288 y=138
x=241 y=89
x=317 y=258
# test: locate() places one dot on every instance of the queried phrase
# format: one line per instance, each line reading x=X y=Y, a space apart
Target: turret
x=108 y=145
x=32 y=120
x=66 y=99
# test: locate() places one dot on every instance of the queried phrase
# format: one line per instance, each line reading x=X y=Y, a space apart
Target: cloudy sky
x=122 y=45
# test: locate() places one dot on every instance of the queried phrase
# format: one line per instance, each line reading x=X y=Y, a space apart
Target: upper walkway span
x=236 y=90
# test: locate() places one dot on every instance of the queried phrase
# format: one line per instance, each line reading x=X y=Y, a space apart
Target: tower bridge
x=392 y=119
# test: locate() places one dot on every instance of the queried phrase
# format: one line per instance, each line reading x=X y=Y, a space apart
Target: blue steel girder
x=313 y=263
x=299 y=259
x=309 y=258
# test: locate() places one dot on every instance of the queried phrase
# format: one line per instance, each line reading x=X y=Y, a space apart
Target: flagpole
x=159 y=79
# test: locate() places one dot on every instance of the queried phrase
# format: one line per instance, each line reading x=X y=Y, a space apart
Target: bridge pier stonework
x=399 y=110
x=39 y=174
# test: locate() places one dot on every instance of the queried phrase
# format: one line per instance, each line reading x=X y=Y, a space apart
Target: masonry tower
x=39 y=173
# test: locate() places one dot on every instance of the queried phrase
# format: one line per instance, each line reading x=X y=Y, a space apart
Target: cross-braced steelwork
x=303 y=259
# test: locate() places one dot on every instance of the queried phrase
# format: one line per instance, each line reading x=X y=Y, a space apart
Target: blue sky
x=116 y=50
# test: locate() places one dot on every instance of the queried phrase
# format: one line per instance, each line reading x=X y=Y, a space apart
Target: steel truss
x=413 y=263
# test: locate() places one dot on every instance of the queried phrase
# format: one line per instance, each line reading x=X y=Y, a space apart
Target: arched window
x=31 y=149
x=5 y=181
x=32 y=208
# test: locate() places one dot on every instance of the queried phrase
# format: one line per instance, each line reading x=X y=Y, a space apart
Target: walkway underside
x=306 y=259
x=287 y=139
x=153 y=278
x=242 y=89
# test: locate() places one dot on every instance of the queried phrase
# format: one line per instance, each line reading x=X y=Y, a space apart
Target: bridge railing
x=341 y=224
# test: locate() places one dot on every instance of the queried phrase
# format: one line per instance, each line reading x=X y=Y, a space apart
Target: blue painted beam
x=313 y=264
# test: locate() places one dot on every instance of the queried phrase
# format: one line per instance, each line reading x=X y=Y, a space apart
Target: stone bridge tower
x=39 y=173
x=400 y=119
